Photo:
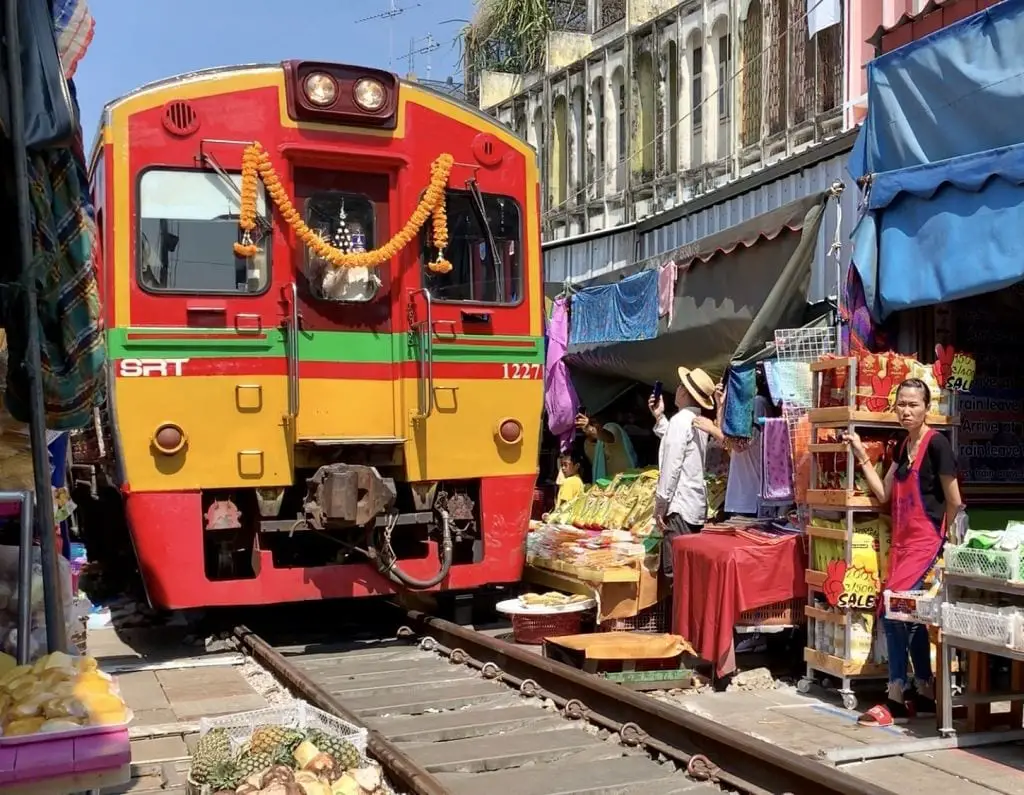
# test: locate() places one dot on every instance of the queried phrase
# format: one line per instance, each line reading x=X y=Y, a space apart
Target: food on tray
x=551 y=599
x=283 y=761
x=56 y=693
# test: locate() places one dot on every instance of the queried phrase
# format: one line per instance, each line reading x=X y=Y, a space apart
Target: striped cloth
x=74 y=26
x=64 y=249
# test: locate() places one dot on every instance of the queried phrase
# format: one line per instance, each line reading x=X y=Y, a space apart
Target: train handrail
x=292 y=353
x=425 y=354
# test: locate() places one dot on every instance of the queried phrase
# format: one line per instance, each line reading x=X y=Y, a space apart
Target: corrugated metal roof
x=953 y=10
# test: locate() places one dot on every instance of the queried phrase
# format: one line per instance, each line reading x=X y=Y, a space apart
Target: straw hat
x=700 y=385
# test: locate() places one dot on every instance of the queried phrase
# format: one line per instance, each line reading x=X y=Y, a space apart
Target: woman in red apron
x=922 y=490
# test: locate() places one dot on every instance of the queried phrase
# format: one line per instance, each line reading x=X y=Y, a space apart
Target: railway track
x=452 y=711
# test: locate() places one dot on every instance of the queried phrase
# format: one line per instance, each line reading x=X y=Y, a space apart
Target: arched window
x=600 y=135
x=579 y=144
x=672 y=107
x=643 y=157
x=753 y=36
x=559 y=174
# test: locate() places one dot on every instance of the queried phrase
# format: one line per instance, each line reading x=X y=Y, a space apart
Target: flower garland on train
x=256 y=165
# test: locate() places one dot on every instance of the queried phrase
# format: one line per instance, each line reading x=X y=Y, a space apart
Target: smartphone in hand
x=658 y=389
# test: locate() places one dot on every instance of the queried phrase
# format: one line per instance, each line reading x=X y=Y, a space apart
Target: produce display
x=551 y=599
x=57 y=693
x=624 y=503
x=9 y=601
x=283 y=761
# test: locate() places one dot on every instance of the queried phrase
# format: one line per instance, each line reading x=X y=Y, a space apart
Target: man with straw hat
x=681 y=503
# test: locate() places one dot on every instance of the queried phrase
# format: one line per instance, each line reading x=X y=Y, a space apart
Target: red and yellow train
x=322 y=292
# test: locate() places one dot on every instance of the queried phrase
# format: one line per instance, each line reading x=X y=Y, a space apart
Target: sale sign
x=850 y=586
x=955 y=370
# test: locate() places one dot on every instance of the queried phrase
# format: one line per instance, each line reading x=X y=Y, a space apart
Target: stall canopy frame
x=733 y=290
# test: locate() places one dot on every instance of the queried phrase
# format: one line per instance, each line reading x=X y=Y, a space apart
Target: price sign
x=850 y=586
x=961 y=372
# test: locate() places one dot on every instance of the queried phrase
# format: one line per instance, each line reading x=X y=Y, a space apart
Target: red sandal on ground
x=890 y=713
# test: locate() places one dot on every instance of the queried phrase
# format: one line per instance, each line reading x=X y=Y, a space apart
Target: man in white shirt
x=680 y=502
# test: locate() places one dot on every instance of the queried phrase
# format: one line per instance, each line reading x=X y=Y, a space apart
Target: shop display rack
x=998 y=632
x=846 y=502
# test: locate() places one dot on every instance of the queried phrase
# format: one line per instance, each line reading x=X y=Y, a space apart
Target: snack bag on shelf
x=619 y=512
x=926 y=374
x=878 y=375
x=832 y=466
x=866 y=545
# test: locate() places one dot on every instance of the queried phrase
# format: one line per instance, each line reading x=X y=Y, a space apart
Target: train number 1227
x=522 y=372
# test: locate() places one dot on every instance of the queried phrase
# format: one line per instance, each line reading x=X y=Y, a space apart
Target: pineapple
x=224 y=776
x=251 y=763
x=212 y=749
x=284 y=753
x=342 y=751
x=265 y=739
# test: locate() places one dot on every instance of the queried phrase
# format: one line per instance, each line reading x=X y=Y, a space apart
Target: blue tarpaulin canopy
x=943 y=147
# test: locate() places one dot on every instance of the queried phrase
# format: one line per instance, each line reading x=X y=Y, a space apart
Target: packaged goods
x=870 y=545
x=833 y=386
x=833 y=466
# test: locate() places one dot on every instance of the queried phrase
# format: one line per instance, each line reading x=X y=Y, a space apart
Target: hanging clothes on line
x=560 y=399
x=741 y=389
x=620 y=312
x=667 y=290
x=776 y=461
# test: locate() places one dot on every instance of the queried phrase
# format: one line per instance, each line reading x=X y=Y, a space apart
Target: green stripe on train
x=320 y=346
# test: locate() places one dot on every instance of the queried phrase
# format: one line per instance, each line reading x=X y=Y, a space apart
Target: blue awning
x=942 y=146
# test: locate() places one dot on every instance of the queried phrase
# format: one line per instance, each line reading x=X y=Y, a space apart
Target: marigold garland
x=256 y=164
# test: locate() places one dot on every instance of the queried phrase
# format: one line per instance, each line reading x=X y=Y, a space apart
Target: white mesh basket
x=992 y=563
x=295 y=715
x=914 y=606
x=995 y=625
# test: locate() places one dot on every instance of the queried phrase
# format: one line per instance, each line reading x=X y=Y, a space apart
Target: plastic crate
x=778 y=614
x=655 y=619
x=295 y=715
x=917 y=607
x=992 y=563
x=995 y=625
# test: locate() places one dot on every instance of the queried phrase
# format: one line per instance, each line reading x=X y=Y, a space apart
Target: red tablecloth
x=719 y=576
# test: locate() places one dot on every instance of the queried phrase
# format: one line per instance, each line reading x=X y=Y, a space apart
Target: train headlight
x=510 y=431
x=169 y=439
x=321 y=89
x=369 y=94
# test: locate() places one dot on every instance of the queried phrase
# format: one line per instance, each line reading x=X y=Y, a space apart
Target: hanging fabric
x=620 y=312
x=64 y=267
x=776 y=461
x=772 y=377
x=74 y=26
x=741 y=389
x=560 y=399
x=667 y=290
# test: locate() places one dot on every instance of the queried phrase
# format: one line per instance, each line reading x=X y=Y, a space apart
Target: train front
x=324 y=299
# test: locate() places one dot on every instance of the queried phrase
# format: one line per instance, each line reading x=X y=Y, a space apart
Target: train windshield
x=477 y=275
x=188 y=223
x=347 y=222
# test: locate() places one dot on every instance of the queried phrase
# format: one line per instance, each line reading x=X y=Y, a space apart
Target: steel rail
x=398 y=766
x=708 y=749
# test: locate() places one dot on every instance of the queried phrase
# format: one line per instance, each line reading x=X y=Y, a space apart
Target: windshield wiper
x=216 y=167
x=480 y=211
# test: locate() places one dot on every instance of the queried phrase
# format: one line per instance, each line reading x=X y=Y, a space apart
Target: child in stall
x=571 y=465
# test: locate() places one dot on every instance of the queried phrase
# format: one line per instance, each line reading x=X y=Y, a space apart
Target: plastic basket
x=788 y=612
x=993 y=563
x=917 y=607
x=295 y=715
x=654 y=619
x=995 y=625
x=532 y=629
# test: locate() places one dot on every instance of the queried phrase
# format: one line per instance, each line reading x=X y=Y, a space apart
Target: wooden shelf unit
x=850 y=504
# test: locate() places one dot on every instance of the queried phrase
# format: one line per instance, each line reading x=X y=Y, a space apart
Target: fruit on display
x=624 y=503
x=283 y=761
x=57 y=693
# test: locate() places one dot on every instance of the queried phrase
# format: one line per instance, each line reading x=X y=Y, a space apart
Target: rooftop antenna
x=429 y=47
x=389 y=15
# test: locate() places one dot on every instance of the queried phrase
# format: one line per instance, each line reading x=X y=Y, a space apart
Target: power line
x=388 y=15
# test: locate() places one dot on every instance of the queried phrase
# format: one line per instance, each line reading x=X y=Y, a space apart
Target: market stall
x=603 y=544
x=940 y=163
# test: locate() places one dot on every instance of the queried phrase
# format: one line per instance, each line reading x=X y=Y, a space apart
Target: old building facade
x=644 y=105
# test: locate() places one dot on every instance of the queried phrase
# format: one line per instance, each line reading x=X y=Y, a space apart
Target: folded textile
x=741 y=389
x=621 y=312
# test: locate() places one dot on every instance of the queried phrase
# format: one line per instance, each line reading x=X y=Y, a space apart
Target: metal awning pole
x=56 y=633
